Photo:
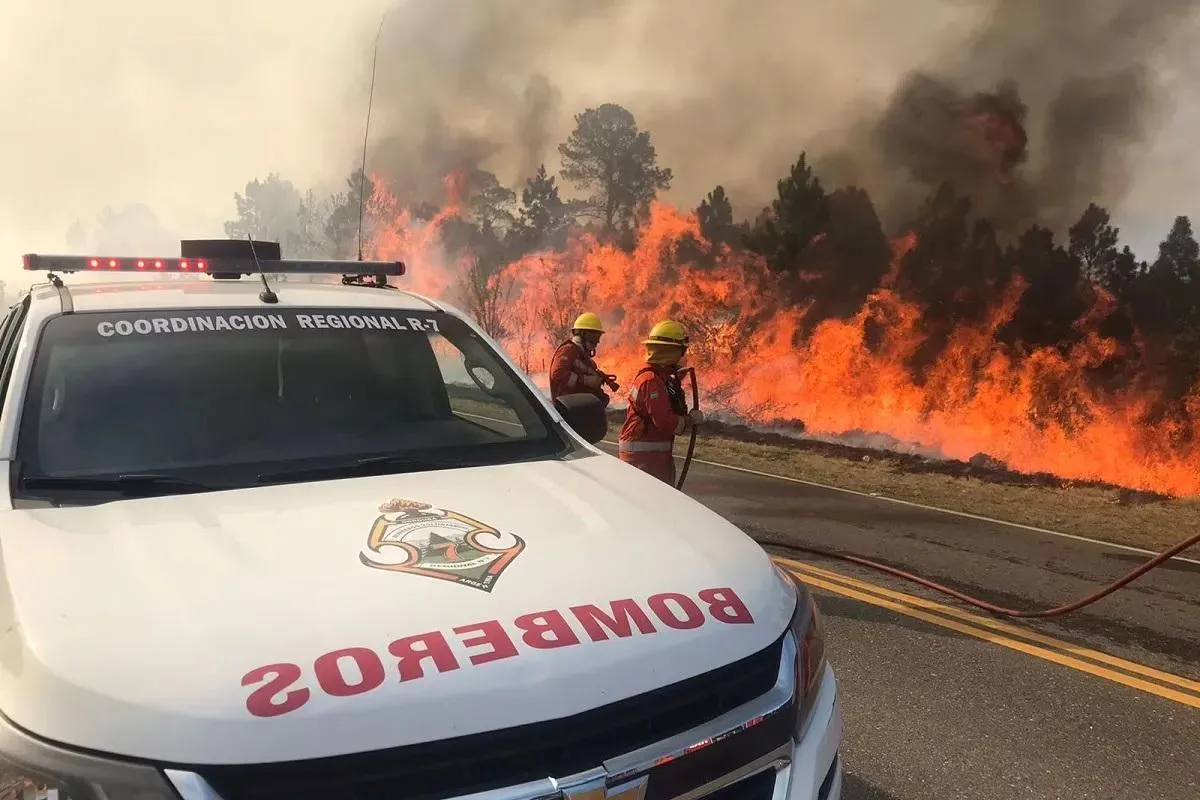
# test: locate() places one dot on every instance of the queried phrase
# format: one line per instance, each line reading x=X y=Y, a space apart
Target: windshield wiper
x=135 y=484
x=371 y=465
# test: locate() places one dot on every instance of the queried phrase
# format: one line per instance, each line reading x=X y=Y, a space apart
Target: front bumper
x=810 y=769
x=751 y=752
x=815 y=772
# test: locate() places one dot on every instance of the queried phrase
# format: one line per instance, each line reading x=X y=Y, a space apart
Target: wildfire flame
x=1034 y=410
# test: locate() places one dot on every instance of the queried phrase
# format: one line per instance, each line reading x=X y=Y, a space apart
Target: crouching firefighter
x=658 y=410
x=573 y=369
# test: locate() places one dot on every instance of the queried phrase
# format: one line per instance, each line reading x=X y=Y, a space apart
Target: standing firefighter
x=573 y=370
x=657 y=410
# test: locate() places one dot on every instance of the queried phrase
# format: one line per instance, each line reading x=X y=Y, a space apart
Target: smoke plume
x=729 y=91
x=1032 y=108
x=1038 y=112
x=176 y=106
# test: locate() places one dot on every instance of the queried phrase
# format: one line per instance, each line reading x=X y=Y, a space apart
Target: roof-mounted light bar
x=212 y=266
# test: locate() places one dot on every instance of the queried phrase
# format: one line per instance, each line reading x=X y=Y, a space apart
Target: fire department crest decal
x=414 y=537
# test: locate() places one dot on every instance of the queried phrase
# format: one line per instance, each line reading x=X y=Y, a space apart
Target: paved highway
x=942 y=702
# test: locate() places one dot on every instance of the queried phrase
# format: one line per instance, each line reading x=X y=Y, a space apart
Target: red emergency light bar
x=212 y=266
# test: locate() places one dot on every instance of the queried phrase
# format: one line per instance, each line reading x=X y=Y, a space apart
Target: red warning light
x=226 y=267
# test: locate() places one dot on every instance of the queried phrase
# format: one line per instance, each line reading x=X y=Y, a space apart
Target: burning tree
x=487 y=297
x=961 y=325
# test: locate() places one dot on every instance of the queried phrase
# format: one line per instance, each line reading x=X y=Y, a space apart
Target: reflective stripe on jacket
x=651 y=423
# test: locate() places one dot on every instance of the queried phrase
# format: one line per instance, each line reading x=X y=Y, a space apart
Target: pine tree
x=609 y=157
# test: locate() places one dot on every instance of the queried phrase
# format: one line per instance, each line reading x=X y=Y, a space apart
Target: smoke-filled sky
x=177 y=105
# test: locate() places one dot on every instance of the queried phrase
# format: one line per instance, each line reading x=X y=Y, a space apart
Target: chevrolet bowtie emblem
x=597 y=789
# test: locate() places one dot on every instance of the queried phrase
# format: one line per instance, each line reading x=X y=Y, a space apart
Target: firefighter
x=658 y=411
x=573 y=369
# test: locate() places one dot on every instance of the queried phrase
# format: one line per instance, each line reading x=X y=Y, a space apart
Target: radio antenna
x=362 y=175
x=266 y=295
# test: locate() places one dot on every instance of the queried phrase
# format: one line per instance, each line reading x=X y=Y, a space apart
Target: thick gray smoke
x=1042 y=110
x=1034 y=108
x=730 y=91
x=176 y=106
x=459 y=88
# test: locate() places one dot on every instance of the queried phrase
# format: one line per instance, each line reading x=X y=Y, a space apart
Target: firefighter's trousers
x=654 y=458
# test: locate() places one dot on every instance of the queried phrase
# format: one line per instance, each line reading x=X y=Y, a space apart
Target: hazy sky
x=177 y=105
x=171 y=104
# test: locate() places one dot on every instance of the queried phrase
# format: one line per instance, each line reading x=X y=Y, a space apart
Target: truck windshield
x=216 y=398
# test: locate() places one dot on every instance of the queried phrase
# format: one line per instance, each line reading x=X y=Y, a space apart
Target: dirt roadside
x=1095 y=510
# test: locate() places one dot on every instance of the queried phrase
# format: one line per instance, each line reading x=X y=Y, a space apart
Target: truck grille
x=467 y=764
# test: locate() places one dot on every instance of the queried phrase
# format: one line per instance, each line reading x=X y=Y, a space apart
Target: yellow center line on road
x=1004 y=641
x=990 y=630
x=993 y=624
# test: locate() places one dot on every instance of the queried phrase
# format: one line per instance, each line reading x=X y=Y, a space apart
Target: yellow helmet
x=587 y=321
x=667 y=332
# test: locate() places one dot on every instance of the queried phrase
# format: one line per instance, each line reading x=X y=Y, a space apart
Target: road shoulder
x=1107 y=514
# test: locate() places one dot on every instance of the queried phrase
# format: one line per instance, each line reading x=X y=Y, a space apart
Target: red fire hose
x=1000 y=611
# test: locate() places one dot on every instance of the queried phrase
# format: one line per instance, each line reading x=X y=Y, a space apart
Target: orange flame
x=397 y=236
x=1034 y=411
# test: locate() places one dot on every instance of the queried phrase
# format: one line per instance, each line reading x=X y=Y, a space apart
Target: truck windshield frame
x=173 y=401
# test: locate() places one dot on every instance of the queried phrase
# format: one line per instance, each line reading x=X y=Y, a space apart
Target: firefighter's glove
x=592 y=381
x=696 y=416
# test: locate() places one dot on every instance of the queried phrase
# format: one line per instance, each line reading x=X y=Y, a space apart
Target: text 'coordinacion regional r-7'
x=203 y=323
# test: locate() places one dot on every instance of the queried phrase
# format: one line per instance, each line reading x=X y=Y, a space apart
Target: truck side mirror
x=586 y=413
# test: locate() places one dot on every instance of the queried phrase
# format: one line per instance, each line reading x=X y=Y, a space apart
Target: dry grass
x=1085 y=511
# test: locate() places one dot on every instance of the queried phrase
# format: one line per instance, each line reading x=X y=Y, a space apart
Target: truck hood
x=316 y=619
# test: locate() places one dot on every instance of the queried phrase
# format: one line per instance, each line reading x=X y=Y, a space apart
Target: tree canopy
x=544 y=218
x=616 y=164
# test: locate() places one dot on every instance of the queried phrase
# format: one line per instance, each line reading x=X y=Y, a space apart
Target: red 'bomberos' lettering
x=625 y=614
x=266 y=700
x=331 y=671
x=692 y=616
x=411 y=650
x=493 y=634
x=536 y=627
x=277 y=688
x=725 y=606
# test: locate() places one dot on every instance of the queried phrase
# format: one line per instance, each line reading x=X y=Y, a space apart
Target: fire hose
x=689 y=373
x=1000 y=611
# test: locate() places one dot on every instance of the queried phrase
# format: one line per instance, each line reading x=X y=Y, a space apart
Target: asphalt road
x=944 y=702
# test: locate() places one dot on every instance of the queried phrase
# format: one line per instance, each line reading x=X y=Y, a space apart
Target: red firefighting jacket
x=657 y=412
x=569 y=366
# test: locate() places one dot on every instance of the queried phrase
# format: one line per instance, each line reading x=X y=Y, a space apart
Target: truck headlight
x=39 y=770
x=806 y=627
